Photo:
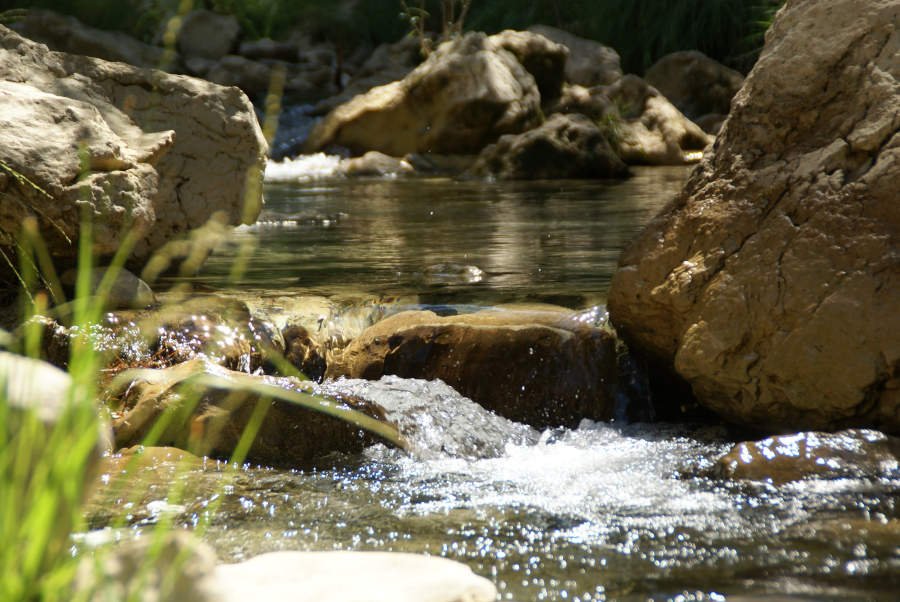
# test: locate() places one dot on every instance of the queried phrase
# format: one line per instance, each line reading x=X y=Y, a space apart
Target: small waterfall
x=438 y=421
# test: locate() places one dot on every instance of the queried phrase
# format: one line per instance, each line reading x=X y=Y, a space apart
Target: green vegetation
x=640 y=30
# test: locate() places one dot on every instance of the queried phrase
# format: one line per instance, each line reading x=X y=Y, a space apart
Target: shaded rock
x=375 y=164
x=176 y=568
x=695 y=83
x=771 y=283
x=711 y=123
x=464 y=96
x=148 y=140
x=267 y=48
x=376 y=577
x=68 y=34
x=652 y=130
x=207 y=35
x=252 y=77
x=434 y=164
x=541 y=57
x=591 y=102
x=207 y=420
x=304 y=352
x=543 y=368
x=590 y=63
x=565 y=146
x=851 y=453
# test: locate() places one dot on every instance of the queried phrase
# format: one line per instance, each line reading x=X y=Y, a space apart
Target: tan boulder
x=467 y=94
x=651 y=130
x=590 y=63
x=771 y=283
x=543 y=368
x=164 y=153
x=565 y=146
x=543 y=58
x=696 y=84
x=210 y=420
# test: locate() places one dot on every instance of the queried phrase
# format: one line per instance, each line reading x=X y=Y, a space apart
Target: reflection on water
x=446 y=240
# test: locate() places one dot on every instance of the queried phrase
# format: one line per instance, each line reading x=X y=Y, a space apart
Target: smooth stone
x=351 y=577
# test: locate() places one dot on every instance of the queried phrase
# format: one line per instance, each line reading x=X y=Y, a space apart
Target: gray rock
x=695 y=83
x=208 y=35
x=68 y=34
x=590 y=63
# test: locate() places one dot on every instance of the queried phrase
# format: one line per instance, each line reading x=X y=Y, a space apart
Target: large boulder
x=590 y=63
x=651 y=130
x=771 y=283
x=160 y=153
x=469 y=92
x=565 y=146
x=544 y=59
x=544 y=368
x=695 y=83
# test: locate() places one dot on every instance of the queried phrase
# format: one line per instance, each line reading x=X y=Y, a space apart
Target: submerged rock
x=771 y=283
x=345 y=576
x=543 y=368
x=565 y=146
x=210 y=419
x=464 y=96
x=141 y=149
x=695 y=83
x=851 y=453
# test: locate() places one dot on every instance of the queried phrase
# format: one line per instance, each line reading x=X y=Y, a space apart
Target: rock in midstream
x=541 y=367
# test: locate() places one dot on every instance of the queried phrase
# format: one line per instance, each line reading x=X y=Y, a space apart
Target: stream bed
x=606 y=511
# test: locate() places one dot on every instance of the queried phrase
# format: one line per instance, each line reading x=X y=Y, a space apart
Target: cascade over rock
x=771 y=283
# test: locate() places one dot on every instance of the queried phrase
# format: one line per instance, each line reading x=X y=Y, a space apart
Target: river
x=605 y=511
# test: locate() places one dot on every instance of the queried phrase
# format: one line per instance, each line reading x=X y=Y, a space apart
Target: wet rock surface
x=147 y=136
x=209 y=419
x=771 y=282
x=785 y=458
x=565 y=146
x=543 y=368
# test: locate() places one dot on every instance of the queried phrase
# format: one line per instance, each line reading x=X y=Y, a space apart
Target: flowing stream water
x=605 y=511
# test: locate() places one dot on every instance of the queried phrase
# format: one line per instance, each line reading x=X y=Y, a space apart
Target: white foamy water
x=303 y=168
